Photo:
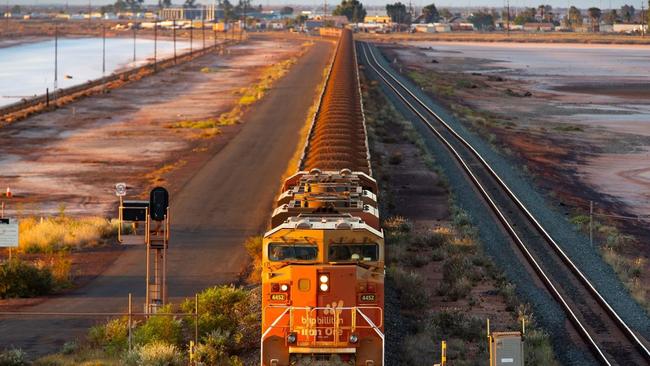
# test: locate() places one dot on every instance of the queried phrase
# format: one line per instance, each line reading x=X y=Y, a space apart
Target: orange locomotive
x=323 y=259
x=323 y=273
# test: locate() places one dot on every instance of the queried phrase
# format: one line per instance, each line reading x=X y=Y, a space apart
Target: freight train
x=323 y=259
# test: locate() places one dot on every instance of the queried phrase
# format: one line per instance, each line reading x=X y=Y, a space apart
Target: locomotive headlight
x=354 y=338
x=292 y=337
x=324 y=279
x=324 y=287
x=284 y=287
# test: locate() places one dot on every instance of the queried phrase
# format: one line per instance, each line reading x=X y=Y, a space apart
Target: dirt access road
x=228 y=199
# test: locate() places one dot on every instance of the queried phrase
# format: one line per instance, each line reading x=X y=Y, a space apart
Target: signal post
x=148 y=223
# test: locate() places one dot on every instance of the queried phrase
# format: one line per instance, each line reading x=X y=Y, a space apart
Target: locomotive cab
x=322 y=288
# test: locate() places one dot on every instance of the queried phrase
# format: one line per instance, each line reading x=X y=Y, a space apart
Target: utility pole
x=89 y=11
x=174 y=37
x=56 y=56
x=643 y=16
x=133 y=44
x=203 y=28
x=103 y=55
x=508 y=18
x=191 y=35
x=155 y=44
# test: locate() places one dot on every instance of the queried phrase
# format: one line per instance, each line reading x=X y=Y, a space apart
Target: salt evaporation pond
x=27 y=69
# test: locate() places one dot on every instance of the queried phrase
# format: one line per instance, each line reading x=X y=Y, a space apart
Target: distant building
x=461 y=26
x=377 y=19
x=209 y=12
x=539 y=27
x=629 y=28
x=313 y=24
x=432 y=28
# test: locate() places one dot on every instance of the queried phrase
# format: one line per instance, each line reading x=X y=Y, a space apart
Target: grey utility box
x=506 y=349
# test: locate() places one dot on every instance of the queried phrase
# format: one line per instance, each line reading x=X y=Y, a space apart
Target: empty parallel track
x=610 y=339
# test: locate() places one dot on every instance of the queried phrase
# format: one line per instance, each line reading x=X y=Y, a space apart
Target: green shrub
x=159 y=329
x=69 y=348
x=154 y=354
x=538 y=349
x=13 y=357
x=228 y=309
x=112 y=337
x=215 y=348
x=432 y=240
x=459 y=325
x=419 y=349
x=22 y=279
x=411 y=287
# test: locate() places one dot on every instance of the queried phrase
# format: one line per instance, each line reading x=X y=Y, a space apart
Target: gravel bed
x=552 y=217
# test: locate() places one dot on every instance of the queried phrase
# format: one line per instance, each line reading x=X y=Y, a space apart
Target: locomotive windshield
x=292 y=252
x=353 y=252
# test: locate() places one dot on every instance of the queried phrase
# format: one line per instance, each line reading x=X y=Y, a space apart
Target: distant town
x=396 y=17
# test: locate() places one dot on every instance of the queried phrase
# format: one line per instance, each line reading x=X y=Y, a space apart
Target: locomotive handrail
x=308 y=310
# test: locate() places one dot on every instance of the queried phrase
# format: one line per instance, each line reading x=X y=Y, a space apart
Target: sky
x=603 y=4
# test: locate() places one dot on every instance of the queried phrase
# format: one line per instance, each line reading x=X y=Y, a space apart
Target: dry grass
x=47 y=235
x=253 y=247
x=156 y=177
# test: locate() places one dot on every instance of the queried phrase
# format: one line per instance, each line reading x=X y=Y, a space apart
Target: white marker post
x=120 y=191
x=9 y=234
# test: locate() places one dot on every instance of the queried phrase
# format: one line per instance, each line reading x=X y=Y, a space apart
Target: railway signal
x=141 y=214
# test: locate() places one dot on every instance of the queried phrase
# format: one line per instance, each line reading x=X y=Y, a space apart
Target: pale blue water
x=28 y=69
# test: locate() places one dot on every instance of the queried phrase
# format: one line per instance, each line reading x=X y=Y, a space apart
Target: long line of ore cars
x=323 y=260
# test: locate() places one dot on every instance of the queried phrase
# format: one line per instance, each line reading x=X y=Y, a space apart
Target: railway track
x=611 y=340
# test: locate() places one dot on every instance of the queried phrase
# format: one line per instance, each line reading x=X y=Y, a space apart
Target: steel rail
x=620 y=323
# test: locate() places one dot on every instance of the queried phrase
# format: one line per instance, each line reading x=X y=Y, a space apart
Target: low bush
x=538 y=349
x=228 y=309
x=419 y=349
x=159 y=329
x=13 y=357
x=214 y=349
x=111 y=337
x=411 y=287
x=456 y=324
x=154 y=354
x=23 y=279
x=397 y=224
